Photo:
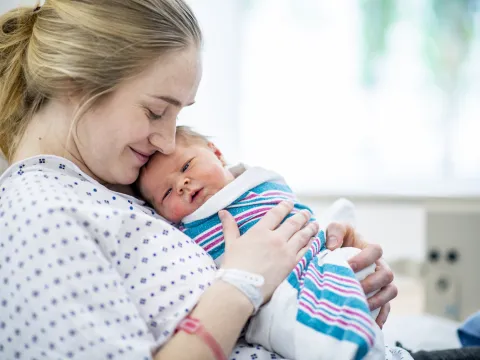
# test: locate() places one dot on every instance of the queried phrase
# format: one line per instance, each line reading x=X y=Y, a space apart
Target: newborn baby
x=320 y=310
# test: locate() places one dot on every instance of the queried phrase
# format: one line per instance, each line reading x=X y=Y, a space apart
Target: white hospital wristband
x=248 y=283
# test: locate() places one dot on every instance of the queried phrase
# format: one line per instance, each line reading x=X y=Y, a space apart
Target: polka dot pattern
x=89 y=273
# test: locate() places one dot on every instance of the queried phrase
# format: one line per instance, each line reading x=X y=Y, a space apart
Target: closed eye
x=186 y=166
x=167 y=193
x=153 y=116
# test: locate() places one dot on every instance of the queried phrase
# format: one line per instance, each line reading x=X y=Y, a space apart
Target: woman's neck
x=49 y=133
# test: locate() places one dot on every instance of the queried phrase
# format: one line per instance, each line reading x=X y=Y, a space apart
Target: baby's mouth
x=195 y=194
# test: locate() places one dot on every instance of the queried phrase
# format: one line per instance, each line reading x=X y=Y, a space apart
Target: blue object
x=469 y=332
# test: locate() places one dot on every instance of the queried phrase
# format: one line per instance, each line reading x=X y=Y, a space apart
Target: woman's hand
x=268 y=248
x=339 y=235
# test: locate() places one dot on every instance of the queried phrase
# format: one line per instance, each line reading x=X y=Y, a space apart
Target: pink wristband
x=193 y=326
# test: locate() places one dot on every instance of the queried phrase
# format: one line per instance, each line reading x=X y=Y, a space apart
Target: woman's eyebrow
x=171 y=100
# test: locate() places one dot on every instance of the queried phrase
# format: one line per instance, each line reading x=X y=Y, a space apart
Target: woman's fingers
x=368 y=256
x=383 y=315
x=383 y=297
x=382 y=277
x=299 y=241
x=302 y=252
x=275 y=216
x=339 y=235
x=293 y=224
x=230 y=228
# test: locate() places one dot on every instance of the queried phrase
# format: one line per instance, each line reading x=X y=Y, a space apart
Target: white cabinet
x=452 y=272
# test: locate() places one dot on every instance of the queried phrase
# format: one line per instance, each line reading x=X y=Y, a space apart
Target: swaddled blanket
x=320 y=311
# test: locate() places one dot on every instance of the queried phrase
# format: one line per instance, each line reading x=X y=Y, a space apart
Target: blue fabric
x=469 y=332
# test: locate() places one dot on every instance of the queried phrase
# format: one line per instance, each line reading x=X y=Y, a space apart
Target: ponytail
x=16 y=28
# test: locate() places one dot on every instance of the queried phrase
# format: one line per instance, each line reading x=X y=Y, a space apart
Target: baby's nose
x=184 y=185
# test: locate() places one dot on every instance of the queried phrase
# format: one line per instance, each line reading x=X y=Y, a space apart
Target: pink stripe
x=205 y=235
x=258 y=216
x=337 y=308
x=248 y=197
x=340 y=321
x=213 y=244
x=277 y=193
x=336 y=277
x=297 y=272
x=329 y=285
x=255 y=211
x=219 y=227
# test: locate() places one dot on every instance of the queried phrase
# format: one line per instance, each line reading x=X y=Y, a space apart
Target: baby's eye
x=185 y=167
x=167 y=193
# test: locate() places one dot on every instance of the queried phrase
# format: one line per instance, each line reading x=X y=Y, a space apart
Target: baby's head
x=178 y=184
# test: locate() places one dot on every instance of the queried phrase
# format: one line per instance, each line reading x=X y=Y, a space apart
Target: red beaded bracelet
x=193 y=326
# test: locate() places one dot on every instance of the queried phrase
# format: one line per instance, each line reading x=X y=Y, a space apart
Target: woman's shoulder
x=47 y=180
x=50 y=182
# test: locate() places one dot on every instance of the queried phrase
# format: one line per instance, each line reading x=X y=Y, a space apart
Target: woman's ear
x=217 y=153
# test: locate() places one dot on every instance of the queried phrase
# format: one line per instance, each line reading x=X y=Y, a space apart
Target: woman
x=91 y=89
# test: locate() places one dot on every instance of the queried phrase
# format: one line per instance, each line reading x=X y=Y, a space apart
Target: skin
x=116 y=138
x=178 y=184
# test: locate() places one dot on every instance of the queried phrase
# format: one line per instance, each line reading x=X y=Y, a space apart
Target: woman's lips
x=142 y=158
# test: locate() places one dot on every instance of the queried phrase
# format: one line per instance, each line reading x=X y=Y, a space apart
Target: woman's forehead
x=175 y=75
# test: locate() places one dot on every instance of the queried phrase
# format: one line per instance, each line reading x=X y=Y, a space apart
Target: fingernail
x=307 y=213
x=221 y=214
x=331 y=241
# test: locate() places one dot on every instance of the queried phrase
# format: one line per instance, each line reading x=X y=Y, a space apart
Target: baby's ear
x=217 y=153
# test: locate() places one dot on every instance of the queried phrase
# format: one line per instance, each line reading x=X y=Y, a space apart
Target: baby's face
x=179 y=183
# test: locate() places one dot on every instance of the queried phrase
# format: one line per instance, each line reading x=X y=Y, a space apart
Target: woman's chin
x=127 y=176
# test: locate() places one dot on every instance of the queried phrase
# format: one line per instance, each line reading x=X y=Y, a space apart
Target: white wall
x=398 y=224
x=9 y=4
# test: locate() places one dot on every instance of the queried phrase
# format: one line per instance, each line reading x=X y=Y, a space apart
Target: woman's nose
x=163 y=144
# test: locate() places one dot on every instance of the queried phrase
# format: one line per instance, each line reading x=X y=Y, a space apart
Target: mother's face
x=117 y=137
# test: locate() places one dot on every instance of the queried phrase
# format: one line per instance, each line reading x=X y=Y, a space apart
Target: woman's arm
x=223 y=310
x=265 y=250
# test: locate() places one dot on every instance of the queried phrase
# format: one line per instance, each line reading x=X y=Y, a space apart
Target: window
x=370 y=97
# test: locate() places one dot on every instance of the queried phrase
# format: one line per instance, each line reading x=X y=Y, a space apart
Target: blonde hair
x=190 y=136
x=83 y=47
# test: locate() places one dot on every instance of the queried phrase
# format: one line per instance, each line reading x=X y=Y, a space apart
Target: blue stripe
x=335 y=332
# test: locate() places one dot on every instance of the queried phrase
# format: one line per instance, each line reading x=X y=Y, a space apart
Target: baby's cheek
x=219 y=175
x=178 y=211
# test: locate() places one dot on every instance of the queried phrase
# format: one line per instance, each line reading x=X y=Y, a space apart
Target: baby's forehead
x=163 y=161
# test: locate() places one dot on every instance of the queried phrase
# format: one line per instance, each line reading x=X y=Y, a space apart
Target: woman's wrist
x=223 y=311
x=239 y=300
x=247 y=283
